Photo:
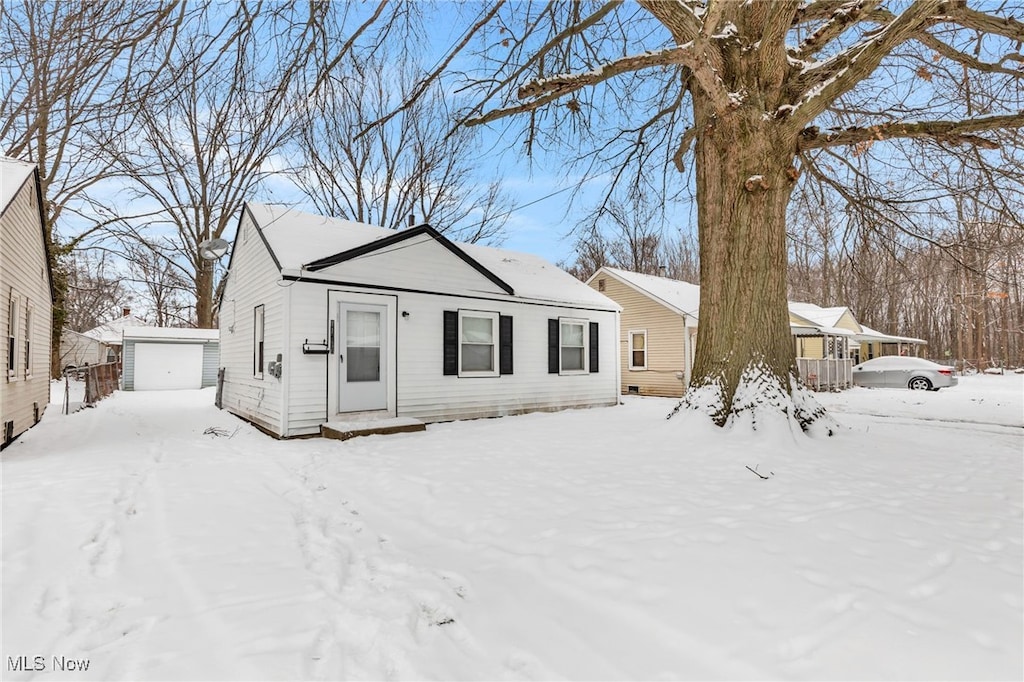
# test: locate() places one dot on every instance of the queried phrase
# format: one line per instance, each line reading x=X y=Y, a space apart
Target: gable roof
x=113 y=331
x=304 y=242
x=682 y=297
x=399 y=237
x=13 y=176
x=828 y=317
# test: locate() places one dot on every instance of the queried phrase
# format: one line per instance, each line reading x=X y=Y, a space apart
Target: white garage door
x=167 y=366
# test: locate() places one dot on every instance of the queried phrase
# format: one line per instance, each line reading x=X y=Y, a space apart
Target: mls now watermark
x=39 y=664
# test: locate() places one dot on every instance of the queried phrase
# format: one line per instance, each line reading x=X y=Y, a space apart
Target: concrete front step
x=343 y=430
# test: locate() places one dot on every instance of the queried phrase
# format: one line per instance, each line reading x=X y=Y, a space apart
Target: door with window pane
x=362 y=357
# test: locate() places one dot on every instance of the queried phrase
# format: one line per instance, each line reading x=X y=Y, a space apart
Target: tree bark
x=745 y=176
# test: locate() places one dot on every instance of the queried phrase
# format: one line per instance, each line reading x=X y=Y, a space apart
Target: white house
x=26 y=309
x=168 y=358
x=78 y=350
x=110 y=334
x=324 y=319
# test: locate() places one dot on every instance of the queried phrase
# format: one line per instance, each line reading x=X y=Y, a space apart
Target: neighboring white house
x=26 y=300
x=110 y=334
x=165 y=358
x=322 y=319
x=78 y=350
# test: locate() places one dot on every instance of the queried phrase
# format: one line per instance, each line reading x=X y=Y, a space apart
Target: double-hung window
x=12 y=337
x=572 y=346
x=28 y=340
x=638 y=349
x=478 y=347
x=257 y=342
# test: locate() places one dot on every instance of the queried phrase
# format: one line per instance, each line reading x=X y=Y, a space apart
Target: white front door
x=360 y=371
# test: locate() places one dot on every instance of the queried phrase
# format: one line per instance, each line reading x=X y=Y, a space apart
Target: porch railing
x=826 y=374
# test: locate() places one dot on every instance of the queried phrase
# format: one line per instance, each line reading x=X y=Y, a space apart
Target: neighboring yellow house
x=658 y=334
x=26 y=300
x=864 y=343
x=657 y=331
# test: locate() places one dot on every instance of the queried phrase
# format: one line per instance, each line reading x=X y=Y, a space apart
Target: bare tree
x=757 y=92
x=71 y=77
x=95 y=292
x=419 y=165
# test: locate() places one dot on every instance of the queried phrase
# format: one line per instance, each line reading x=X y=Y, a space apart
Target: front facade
x=325 y=319
x=26 y=300
x=163 y=359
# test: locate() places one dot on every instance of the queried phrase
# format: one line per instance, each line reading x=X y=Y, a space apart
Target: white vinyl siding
x=253 y=280
x=25 y=392
x=424 y=393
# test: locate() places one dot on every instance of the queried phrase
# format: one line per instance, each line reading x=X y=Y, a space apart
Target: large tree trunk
x=204 y=295
x=745 y=175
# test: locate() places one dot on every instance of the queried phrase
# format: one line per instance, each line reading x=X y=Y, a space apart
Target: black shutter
x=505 y=344
x=593 y=348
x=451 y=342
x=552 y=346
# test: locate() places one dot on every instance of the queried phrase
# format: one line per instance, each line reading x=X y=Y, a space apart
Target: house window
x=638 y=349
x=600 y=284
x=12 y=337
x=478 y=332
x=257 y=342
x=28 y=340
x=572 y=346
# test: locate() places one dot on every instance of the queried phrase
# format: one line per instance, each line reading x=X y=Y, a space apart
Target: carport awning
x=802 y=330
x=870 y=335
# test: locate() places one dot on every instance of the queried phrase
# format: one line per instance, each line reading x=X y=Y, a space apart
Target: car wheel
x=919 y=384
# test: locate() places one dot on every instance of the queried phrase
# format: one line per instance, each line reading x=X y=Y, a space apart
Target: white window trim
x=495 y=332
x=27 y=341
x=259 y=335
x=646 y=348
x=14 y=347
x=586 y=346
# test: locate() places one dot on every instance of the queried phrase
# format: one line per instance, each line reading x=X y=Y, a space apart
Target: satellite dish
x=213 y=249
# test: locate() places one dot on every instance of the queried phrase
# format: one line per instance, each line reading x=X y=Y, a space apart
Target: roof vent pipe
x=412 y=219
x=663 y=271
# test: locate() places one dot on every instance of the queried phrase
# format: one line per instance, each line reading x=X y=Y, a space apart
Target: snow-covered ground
x=593 y=544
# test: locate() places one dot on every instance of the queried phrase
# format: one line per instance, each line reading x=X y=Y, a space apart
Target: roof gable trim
x=400 y=237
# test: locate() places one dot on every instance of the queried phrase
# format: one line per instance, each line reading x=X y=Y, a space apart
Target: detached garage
x=167 y=359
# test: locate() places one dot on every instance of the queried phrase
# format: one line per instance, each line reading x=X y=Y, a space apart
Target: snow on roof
x=682 y=296
x=111 y=332
x=13 y=174
x=172 y=333
x=870 y=334
x=297 y=238
x=815 y=313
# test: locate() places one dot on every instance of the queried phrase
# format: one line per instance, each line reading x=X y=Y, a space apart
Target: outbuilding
x=165 y=358
x=325 y=320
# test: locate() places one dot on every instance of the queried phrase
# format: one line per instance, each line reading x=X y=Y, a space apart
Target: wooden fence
x=829 y=374
x=100 y=381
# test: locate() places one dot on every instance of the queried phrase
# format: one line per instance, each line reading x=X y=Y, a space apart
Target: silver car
x=894 y=371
